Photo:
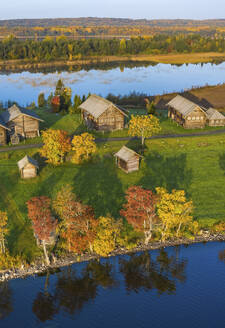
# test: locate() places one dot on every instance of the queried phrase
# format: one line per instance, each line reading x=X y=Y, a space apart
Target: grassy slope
x=196 y=165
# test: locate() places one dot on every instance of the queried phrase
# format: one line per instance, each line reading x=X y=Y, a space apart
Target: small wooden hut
x=28 y=167
x=127 y=159
x=101 y=114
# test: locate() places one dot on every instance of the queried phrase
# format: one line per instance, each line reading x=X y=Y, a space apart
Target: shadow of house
x=99 y=186
x=168 y=172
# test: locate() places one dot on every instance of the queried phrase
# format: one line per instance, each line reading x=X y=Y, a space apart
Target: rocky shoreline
x=39 y=268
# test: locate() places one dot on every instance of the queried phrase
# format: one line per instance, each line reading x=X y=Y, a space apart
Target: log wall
x=3 y=136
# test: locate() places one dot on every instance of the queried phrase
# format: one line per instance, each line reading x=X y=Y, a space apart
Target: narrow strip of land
x=98 y=140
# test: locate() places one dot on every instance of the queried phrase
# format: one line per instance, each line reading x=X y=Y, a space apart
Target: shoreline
x=176 y=59
x=39 y=268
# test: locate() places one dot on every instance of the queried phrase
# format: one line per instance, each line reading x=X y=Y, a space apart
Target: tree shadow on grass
x=99 y=186
x=222 y=161
x=168 y=172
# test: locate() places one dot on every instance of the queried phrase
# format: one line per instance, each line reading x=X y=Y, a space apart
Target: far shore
x=39 y=268
x=173 y=58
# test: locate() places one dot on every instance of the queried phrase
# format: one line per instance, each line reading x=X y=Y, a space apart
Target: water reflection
x=143 y=272
x=74 y=290
x=5 y=300
x=222 y=256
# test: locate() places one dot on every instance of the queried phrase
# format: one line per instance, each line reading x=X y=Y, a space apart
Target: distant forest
x=63 y=48
x=76 y=28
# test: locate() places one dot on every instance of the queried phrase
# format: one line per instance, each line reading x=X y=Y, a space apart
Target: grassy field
x=195 y=164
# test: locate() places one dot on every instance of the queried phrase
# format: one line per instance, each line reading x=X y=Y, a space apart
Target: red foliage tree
x=55 y=102
x=140 y=210
x=43 y=222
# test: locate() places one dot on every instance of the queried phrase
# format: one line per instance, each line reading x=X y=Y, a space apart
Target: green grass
x=195 y=164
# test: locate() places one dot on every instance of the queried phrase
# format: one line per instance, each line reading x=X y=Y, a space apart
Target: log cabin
x=191 y=115
x=101 y=114
x=127 y=159
x=20 y=121
x=28 y=167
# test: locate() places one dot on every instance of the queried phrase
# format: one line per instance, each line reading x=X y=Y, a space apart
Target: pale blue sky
x=149 y=9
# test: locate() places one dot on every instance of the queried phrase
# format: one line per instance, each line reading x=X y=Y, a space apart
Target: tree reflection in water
x=72 y=290
x=222 y=256
x=5 y=300
x=162 y=274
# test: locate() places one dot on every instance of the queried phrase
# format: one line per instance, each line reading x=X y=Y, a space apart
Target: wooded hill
x=95 y=21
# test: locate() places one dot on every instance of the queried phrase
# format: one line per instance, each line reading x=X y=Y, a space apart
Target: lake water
x=24 y=87
x=168 y=288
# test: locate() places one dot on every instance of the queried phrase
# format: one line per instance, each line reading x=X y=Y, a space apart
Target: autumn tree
x=3 y=230
x=77 y=225
x=140 y=210
x=44 y=224
x=150 y=106
x=56 y=146
x=143 y=126
x=174 y=212
x=83 y=147
x=108 y=231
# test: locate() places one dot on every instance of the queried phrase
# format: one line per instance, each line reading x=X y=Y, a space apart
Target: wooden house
x=127 y=159
x=215 y=118
x=101 y=114
x=3 y=133
x=20 y=121
x=186 y=113
x=28 y=167
x=191 y=115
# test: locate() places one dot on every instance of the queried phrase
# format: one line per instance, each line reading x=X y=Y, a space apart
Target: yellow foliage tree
x=143 y=126
x=83 y=146
x=3 y=230
x=56 y=145
x=174 y=212
x=108 y=231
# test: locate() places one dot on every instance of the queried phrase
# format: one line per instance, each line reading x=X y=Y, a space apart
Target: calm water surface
x=174 y=287
x=24 y=87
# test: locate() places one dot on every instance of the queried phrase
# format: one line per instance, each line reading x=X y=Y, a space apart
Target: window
x=197 y=118
x=193 y=118
x=189 y=118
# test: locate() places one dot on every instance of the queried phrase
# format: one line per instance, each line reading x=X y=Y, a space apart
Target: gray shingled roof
x=14 y=111
x=26 y=160
x=96 y=106
x=213 y=114
x=2 y=124
x=126 y=153
x=183 y=105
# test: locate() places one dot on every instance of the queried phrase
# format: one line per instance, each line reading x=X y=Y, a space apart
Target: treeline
x=64 y=49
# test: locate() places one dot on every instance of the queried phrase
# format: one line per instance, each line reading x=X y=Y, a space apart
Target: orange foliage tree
x=77 y=223
x=140 y=210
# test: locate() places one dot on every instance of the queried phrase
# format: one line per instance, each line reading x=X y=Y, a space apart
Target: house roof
x=126 y=153
x=27 y=160
x=213 y=114
x=96 y=106
x=183 y=105
x=14 y=111
x=2 y=124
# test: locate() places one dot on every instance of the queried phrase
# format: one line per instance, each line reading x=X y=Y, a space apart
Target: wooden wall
x=25 y=126
x=3 y=137
x=130 y=165
x=196 y=119
x=29 y=171
x=216 y=122
x=111 y=119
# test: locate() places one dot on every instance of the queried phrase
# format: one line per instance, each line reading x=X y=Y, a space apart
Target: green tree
x=41 y=100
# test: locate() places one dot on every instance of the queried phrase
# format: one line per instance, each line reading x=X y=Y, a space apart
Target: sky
x=149 y=9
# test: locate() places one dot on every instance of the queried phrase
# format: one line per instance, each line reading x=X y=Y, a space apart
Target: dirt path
x=98 y=140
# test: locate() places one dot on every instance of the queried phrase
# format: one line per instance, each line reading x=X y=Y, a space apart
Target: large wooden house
x=191 y=115
x=101 y=114
x=18 y=121
x=127 y=159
